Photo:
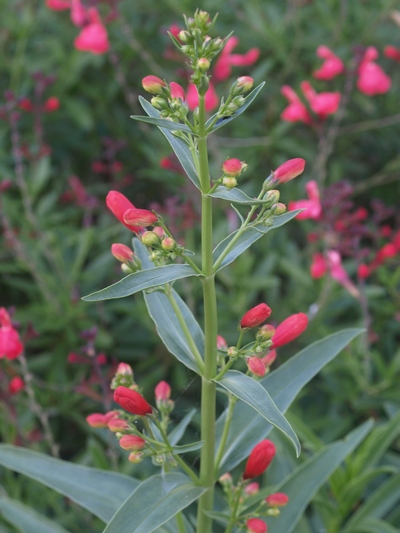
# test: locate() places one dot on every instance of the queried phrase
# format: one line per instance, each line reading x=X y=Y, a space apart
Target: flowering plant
x=254 y=407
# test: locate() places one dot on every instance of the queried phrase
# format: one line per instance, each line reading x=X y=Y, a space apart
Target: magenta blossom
x=332 y=65
x=296 y=111
x=227 y=60
x=372 y=79
x=93 y=37
x=322 y=104
x=192 y=97
x=312 y=206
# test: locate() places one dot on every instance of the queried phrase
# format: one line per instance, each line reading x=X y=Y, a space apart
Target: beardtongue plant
x=256 y=397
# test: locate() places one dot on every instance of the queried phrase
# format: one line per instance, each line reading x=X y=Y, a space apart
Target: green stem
x=191 y=263
x=227 y=425
x=185 y=329
x=180 y=523
x=235 y=509
x=208 y=387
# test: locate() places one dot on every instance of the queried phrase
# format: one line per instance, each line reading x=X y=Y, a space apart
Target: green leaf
x=179 y=430
x=253 y=393
x=26 y=519
x=163 y=123
x=140 y=281
x=248 y=237
x=283 y=385
x=222 y=121
x=373 y=526
x=180 y=148
x=236 y=195
x=184 y=448
x=168 y=326
x=98 y=491
x=153 y=503
x=302 y=484
x=378 y=503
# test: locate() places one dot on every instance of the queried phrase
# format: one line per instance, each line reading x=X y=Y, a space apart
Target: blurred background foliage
x=57 y=165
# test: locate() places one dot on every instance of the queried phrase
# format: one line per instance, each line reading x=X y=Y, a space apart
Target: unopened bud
x=226 y=480
x=244 y=83
x=252 y=488
x=233 y=167
x=123 y=369
x=150 y=238
x=162 y=392
x=221 y=343
x=255 y=316
x=217 y=44
x=132 y=442
x=158 y=102
x=168 y=244
x=232 y=351
x=278 y=209
x=153 y=84
x=272 y=196
x=135 y=457
x=121 y=252
x=269 y=358
x=184 y=36
x=265 y=332
x=203 y=64
x=229 y=183
x=239 y=101
x=278 y=499
x=289 y=170
x=256 y=366
x=117 y=424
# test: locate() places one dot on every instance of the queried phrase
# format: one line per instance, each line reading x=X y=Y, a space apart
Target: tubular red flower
x=96 y=420
x=121 y=252
x=256 y=366
x=132 y=442
x=132 y=401
x=372 y=79
x=117 y=424
x=223 y=65
x=259 y=459
x=153 y=84
x=323 y=104
x=192 y=97
x=289 y=329
x=52 y=104
x=278 y=499
x=289 y=170
x=255 y=316
x=296 y=111
x=177 y=91
x=119 y=204
x=331 y=67
x=93 y=37
x=139 y=217
x=269 y=358
x=256 y=525
x=162 y=392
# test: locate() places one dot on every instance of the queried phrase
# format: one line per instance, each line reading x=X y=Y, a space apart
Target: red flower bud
x=363 y=271
x=117 y=424
x=177 y=91
x=132 y=442
x=162 y=392
x=232 y=167
x=153 y=84
x=52 y=104
x=252 y=488
x=121 y=252
x=25 y=104
x=289 y=329
x=96 y=420
x=289 y=170
x=221 y=343
x=139 y=217
x=269 y=358
x=256 y=525
x=256 y=366
x=123 y=369
x=16 y=385
x=245 y=83
x=119 y=204
x=278 y=499
x=132 y=401
x=255 y=316
x=259 y=459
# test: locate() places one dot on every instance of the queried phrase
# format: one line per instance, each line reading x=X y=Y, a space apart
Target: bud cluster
x=163 y=246
x=231 y=168
x=169 y=99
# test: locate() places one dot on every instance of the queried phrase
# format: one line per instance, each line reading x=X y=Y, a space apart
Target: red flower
x=296 y=111
x=132 y=401
x=392 y=52
x=363 y=271
x=192 y=97
x=312 y=206
x=52 y=104
x=318 y=266
x=256 y=366
x=372 y=79
x=132 y=442
x=177 y=91
x=278 y=499
x=153 y=84
x=289 y=170
x=289 y=329
x=139 y=217
x=10 y=344
x=16 y=385
x=256 y=525
x=121 y=252
x=162 y=392
x=58 y=5
x=93 y=37
x=259 y=459
x=323 y=104
x=78 y=13
x=232 y=167
x=255 y=316
x=331 y=67
x=226 y=60
x=119 y=204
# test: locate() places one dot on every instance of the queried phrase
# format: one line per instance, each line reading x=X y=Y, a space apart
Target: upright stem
x=208 y=387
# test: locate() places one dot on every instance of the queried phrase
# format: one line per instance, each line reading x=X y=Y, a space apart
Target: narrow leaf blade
x=142 y=280
x=98 y=491
x=253 y=394
x=180 y=148
x=153 y=503
x=26 y=519
x=163 y=123
x=236 y=196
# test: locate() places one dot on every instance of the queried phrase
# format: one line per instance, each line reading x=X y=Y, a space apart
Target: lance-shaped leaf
x=222 y=121
x=153 y=503
x=185 y=448
x=179 y=146
x=246 y=239
x=169 y=328
x=163 y=123
x=26 y=519
x=140 y=281
x=179 y=430
x=253 y=394
x=302 y=484
x=98 y=491
x=236 y=196
x=283 y=385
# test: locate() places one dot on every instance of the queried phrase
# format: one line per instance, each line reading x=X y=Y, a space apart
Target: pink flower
x=256 y=366
x=269 y=358
x=177 y=90
x=372 y=79
x=338 y=273
x=119 y=204
x=363 y=271
x=318 y=266
x=259 y=459
x=255 y=316
x=16 y=385
x=10 y=344
x=121 y=252
x=52 y=104
x=162 y=392
x=93 y=37
x=139 y=217
x=289 y=170
x=192 y=97
x=132 y=442
x=323 y=104
x=256 y=525
x=58 y=5
x=392 y=52
x=312 y=206
x=78 y=13
x=332 y=65
x=296 y=111
x=232 y=167
x=252 y=488
x=223 y=65
x=290 y=329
